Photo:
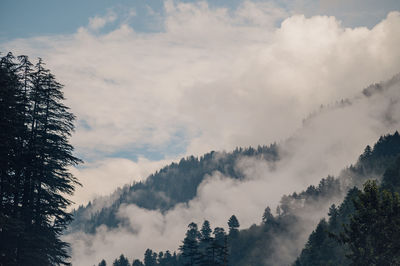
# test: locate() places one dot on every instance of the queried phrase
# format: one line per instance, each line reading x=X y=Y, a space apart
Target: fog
x=213 y=80
x=327 y=143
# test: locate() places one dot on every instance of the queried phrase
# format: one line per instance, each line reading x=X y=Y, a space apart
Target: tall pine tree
x=35 y=154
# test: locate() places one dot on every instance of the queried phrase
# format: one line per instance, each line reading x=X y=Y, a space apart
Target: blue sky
x=26 y=18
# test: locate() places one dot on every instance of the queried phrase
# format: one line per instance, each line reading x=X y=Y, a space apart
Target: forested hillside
x=178 y=182
x=175 y=183
x=280 y=236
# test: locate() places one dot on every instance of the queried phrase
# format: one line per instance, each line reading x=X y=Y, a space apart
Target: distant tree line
x=204 y=247
x=173 y=184
x=338 y=241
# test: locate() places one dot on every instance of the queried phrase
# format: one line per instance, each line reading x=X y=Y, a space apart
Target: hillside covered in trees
x=173 y=184
x=279 y=237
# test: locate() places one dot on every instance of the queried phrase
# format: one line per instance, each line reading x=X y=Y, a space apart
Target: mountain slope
x=173 y=184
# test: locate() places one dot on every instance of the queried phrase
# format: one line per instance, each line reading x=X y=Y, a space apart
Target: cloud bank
x=213 y=80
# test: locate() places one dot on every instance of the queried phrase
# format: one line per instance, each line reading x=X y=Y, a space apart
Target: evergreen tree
x=205 y=245
x=34 y=157
x=190 y=246
x=102 y=263
x=121 y=261
x=150 y=258
x=233 y=224
x=220 y=247
x=374 y=229
x=137 y=263
x=267 y=216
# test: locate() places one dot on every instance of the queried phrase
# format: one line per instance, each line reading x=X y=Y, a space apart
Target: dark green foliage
x=374 y=230
x=220 y=252
x=150 y=258
x=233 y=225
x=391 y=177
x=370 y=210
x=137 y=263
x=267 y=217
x=34 y=156
x=102 y=263
x=321 y=247
x=206 y=252
x=121 y=261
x=190 y=246
x=260 y=245
x=175 y=183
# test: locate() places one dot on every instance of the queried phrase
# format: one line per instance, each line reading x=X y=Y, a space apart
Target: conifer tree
x=150 y=258
x=34 y=156
x=205 y=245
x=121 y=261
x=233 y=224
x=220 y=247
x=190 y=246
x=374 y=229
x=137 y=263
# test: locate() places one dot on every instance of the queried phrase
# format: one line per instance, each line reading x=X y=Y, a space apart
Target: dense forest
x=339 y=241
x=175 y=183
x=34 y=156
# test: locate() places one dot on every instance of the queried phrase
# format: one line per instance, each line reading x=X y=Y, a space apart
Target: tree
x=233 y=224
x=102 y=263
x=220 y=247
x=267 y=216
x=137 y=263
x=121 y=261
x=374 y=229
x=205 y=245
x=190 y=246
x=35 y=155
x=150 y=258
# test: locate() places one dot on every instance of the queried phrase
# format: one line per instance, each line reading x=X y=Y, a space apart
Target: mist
x=214 y=80
x=327 y=143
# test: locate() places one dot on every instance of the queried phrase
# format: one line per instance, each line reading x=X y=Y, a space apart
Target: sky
x=153 y=81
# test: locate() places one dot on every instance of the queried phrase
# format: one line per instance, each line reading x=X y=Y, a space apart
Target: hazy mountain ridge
x=175 y=183
x=178 y=182
x=304 y=209
x=280 y=236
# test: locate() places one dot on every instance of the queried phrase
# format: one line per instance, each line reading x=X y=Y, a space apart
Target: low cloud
x=328 y=142
x=218 y=79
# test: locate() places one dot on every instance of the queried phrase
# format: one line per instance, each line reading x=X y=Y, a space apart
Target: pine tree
x=35 y=154
x=220 y=247
x=233 y=224
x=150 y=258
x=205 y=245
x=190 y=246
x=102 y=263
x=137 y=263
x=121 y=261
x=374 y=229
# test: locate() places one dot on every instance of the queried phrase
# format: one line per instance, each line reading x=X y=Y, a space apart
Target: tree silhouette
x=35 y=154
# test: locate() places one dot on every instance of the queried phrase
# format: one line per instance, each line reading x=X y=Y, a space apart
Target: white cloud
x=97 y=22
x=219 y=82
x=327 y=143
x=224 y=79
